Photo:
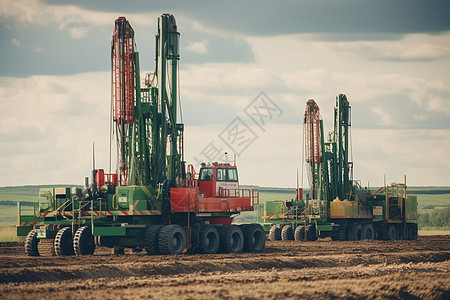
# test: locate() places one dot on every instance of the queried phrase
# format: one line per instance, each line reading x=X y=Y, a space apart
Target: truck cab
x=217 y=177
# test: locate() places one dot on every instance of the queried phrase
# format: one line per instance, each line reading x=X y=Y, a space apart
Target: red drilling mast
x=313 y=145
x=123 y=88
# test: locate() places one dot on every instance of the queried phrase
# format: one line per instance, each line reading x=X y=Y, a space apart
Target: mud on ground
x=285 y=270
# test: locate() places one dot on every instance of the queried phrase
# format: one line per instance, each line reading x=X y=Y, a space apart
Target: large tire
x=254 y=237
x=403 y=232
x=172 y=239
x=151 y=239
x=368 y=232
x=83 y=241
x=209 y=239
x=350 y=234
x=31 y=243
x=358 y=232
x=311 y=233
x=299 y=233
x=46 y=247
x=195 y=239
x=287 y=233
x=340 y=233
x=355 y=232
x=412 y=231
x=275 y=233
x=64 y=242
x=391 y=234
x=231 y=239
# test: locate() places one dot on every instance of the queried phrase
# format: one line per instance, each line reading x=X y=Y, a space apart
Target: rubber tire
x=166 y=239
x=83 y=241
x=209 y=239
x=355 y=232
x=403 y=232
x=195 y=239
x=151 y=239
x=368 y=232
x=299 y=233
x=311 y=233
x=341 y=234
x=64 y=242
x=31 y=243
x=412 y=231
x=254 y=237
x=287 y=233
x=46 y=247
x=351 y=234
x=358 y=232
x=391 y=233
x=275 y=233
x=231 y=239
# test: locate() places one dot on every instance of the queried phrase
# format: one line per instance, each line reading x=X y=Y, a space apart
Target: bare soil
x=285 y=270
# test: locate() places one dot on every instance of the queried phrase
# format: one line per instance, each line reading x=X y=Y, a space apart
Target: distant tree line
x=436 y=218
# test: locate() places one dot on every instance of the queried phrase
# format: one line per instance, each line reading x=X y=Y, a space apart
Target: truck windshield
x=206 y=174
x=227 y=174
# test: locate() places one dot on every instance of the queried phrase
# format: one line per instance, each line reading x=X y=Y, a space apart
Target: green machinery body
x=337 y=206
x=148 y=138
x=121 y=208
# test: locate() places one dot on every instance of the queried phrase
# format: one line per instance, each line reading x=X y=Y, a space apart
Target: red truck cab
x=213 y=179
x=215 y=190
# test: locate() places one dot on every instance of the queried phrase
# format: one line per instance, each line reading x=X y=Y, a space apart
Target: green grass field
x=269 y=196
x=8 y=233
x=11 y=196
x=428 y=202
x=8 y=214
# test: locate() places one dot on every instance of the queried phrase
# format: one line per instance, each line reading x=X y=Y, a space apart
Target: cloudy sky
x=246 y=66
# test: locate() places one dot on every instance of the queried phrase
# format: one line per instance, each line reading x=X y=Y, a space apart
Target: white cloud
x=16 y=42
x=24 y=11
x=428 y=95
x=198 y=47
x=73 y=19
x=273 y=159
x=48 y=125
x=226 y=84
x=39 y=13
x=78 y=32
x=420 y=117
x=409 y=49
x=384 y=116
x=399 y=51
x=420 y=154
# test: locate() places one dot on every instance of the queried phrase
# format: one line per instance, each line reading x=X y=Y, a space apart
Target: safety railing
x=24 y=209
x=240 y=193
x=190 y=183
x=255 y=197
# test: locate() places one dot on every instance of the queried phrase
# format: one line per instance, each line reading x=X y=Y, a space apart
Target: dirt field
x=322 y=270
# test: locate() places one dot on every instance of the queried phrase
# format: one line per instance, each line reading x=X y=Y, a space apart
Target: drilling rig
x=337 y=205
x=153 y=201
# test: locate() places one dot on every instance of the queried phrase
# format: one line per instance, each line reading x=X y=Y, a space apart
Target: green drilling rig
x=337 y=205
x=153 y=200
